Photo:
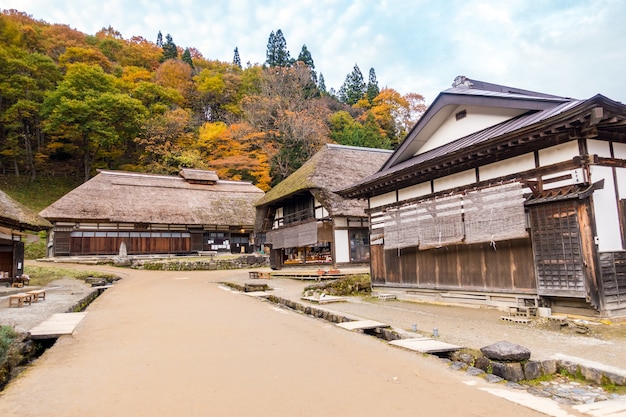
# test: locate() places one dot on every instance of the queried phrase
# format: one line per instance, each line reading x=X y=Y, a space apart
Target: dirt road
x=177 y=344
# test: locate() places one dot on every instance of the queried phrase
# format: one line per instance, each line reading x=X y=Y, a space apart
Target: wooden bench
x=37 y=294
x=19 y=299
x=259 y=274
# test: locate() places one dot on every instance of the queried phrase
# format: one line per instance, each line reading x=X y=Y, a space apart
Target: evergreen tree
x=372 y=86
x=170 y=51
x=277 y=53
x=353 y=88
x=159 y=41
x=321 y=85
x=306 y=58
x=187 y=57
x=236 y=59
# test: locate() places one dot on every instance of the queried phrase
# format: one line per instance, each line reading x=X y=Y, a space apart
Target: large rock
x=506 y=351
x=511 y=371
x=532 y=370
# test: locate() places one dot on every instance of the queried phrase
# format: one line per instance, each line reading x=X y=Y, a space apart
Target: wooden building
x=154 y=214
x=504 y=196
x=305 y=222
x=16 y=221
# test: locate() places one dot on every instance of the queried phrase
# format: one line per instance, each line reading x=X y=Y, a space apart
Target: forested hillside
x=71 y=103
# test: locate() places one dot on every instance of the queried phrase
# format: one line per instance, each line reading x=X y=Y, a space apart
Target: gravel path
x=60 y=296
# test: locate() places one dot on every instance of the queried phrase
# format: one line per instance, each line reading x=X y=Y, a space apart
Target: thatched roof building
x=131 y=197
x=332 y=168
x=15 y=219
x=304 y=215
x=16 y=216
x=195 y=202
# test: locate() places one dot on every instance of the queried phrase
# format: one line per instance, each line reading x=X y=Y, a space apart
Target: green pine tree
x=236 y=58
x=187 y=57
x=277 y=53
x=372 y=86
x=170 y=51
x=321 y=85
x=353 y=88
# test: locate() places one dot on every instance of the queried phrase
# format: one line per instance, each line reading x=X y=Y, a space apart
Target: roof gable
x=468 y=107
x=561 y=120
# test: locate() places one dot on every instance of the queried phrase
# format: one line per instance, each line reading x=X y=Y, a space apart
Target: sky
x=569 y=48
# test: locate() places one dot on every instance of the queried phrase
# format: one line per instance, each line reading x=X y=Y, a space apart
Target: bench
x=259 y=274
x=37 y=294
x=19 y=299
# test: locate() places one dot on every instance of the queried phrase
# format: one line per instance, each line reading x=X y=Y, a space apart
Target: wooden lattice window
x=557 y=249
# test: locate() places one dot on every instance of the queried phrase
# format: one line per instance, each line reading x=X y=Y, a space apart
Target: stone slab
x=361 y=325
x=425 y=345
x=325 y=299
x=57 y=325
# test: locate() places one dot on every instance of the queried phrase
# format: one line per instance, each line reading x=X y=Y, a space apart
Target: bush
x=7 y=336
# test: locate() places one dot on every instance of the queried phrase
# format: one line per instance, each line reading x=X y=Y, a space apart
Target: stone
x=493 y=379
x=458 y=366
x=511 y=371
x=549 y=366
x=506 y=351
x=570 y=367
x=482 y=363
x=592 y=374
x=532 y=370
x=472 y=371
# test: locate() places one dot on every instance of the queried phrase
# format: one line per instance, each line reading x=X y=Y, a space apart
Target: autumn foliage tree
x=89 y=117
x=74 y=102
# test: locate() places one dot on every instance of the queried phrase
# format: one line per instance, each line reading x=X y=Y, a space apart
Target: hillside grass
x=37 y=194
x=40 y=276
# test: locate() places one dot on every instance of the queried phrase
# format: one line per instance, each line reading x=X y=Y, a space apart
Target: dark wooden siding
x=377 y=264
x=613 y=267
x=135 y=245
x=477 y=267
x=6 y=258
x=61 y=243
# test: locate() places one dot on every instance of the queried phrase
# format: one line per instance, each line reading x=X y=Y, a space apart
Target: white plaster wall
x=506 y=167
x=381 y=200
x=455 y=180
x=621 y=182
x=341 y=222
x=559 y=153
x=414 y=191
x=478 y=118
x=605 y=208
x=342 y=246
x=619 y=150
x=598 y=147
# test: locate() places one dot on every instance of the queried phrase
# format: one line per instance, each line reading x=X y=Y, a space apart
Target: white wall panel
x=559 y=153
x=619 y=150
x=456 y=180
x=342 y=246
x=414 y=191
x=381 y=200
x=599 y=147
x=605 y=208
x=507 y=167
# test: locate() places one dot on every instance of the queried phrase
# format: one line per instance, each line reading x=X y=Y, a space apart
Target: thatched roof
x=14 y=215
x=129 y=197
x=332 y=168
